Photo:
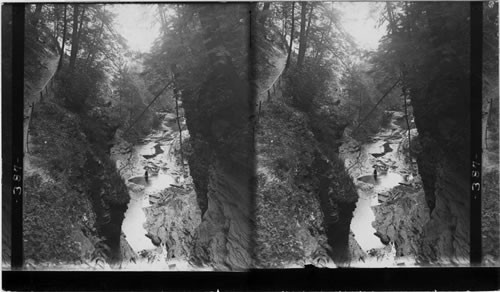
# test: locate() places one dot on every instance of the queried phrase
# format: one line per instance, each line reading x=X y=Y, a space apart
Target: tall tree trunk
x=266 y=6
x=302 y=37
x=56 y=21
x=163 y=20
x=82 y=19
x=408 y=125
x=81 y=23
x=175 y=74
x=63 y=39
x=176 y=94
x=263 y=14
x=320 y=52
x=36 y=14
x=309 y=21
x=74 y=38
x=392 y=24
x=291 y=36
x=285 y=18
x=92 y=49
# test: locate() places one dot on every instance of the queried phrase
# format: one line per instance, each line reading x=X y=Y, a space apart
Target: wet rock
x=383 y=197
x=446 y=234
x=223 y=237
x=403 y=220
x=383 y=238
x=356 y=253
x=173 y=220
x=154 y=239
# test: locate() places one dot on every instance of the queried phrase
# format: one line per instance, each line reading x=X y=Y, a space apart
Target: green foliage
x=285 y=148
x=79 y=90
x=79 y=178
x=131 y=103
x=307 y=86
x=362 y=94
x=288 y=186
x=65 y=154
x=429 y=44
x=38 y=45
x=97 y=50
x=48 y=215
x=203 y=50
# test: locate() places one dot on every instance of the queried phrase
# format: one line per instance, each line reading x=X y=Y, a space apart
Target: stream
x=164 y=207
x=162 y=210
x=383 y=151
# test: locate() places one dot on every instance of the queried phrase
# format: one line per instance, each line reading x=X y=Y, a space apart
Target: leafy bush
x=77 y=89
x=49 y=213
x=308 y=85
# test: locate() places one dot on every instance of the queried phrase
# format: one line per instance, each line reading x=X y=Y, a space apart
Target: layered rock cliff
x=443 y=163
x=221 y=165
x=75 y=200
x=304 y=198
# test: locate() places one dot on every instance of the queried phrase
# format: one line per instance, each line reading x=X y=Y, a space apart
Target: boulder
x=383 y=238
x=154 y=239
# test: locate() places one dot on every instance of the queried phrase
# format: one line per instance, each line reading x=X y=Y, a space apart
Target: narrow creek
x=162 y=206
x=383 y=152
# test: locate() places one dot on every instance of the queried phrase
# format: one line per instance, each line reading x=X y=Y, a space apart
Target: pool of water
x=135 y=217
x=155 y=182
x=387 y=180
x=133 y=220
x=363 y=216
x=383 y=153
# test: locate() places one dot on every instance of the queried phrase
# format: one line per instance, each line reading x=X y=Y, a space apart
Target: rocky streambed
x=391 y=211
x=163 y=214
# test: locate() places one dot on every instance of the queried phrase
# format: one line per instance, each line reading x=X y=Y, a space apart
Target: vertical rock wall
x=221 y=164
x=443 y=121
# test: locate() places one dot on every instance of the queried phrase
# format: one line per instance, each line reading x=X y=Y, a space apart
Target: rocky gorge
x=203 y=155
x=391 y=211
x=163 y=213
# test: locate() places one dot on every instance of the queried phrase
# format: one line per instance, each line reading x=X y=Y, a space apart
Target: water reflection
x=135 y=217
x=387 y=180
x=361 y=225
x=133 y=220
x=363 y=216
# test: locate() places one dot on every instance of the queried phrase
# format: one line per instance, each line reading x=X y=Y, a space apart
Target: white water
x=363 y=215
x=139 y=189
x=135 y=217
x=361 y=165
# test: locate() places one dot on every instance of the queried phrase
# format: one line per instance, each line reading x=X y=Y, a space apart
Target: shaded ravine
x=383 y=152
x=163 y=213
